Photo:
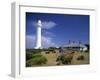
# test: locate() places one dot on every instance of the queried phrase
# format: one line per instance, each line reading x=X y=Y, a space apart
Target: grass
x=52 y=57
x=77 y=54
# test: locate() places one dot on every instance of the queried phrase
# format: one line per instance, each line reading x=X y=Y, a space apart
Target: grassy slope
x=52 y=58
x=85 y=61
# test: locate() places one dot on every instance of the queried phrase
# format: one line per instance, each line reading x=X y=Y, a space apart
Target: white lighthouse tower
x=38 y=35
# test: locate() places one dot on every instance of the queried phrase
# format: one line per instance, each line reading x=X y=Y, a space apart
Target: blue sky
x=57 y=29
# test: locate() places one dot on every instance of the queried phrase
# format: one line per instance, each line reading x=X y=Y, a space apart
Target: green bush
x=81 y=57
x=47 y=52
x=64 y=59
x=29 y=55
x=67 y=60
x=37 y=59
x=31 y=52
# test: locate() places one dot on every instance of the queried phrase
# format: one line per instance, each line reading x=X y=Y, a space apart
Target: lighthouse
x=38 y=35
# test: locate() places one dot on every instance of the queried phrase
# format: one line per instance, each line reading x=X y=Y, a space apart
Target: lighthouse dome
x=39 y=23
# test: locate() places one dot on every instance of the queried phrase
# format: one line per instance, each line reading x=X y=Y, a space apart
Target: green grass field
x=50 y=58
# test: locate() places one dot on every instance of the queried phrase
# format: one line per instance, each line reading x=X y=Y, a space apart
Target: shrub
x=29 y=55
x=47 y=52
x=58 y=58
x=80 y=57
x=64 y=59
x=36 y=60
x=31 y=52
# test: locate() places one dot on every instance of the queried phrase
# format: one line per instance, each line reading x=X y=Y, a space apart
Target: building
x=76 y=46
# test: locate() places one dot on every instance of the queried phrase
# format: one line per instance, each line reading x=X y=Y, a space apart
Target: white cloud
x=46 y=24
x=48 y=33
x=46 y=41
